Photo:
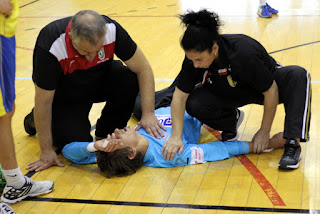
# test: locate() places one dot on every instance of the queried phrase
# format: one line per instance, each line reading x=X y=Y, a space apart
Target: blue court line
x=23 y=78
x=169 y=205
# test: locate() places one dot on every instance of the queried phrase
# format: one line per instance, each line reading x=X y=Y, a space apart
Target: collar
x=71 y=51
x=222 y=61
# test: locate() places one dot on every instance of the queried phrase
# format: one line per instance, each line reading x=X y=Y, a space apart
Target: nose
x=90 y=56
x=196 y=64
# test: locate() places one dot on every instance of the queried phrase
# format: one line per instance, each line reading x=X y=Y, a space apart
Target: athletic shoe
x=29 y=125
x=271 y=10
x=6 y=209
x=263 y=12
x=30 y=188
x=233 y=135
x=291 y=155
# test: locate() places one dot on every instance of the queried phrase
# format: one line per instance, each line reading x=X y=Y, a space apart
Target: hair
x=88 y=25
x=202 y=30
x=118 y=164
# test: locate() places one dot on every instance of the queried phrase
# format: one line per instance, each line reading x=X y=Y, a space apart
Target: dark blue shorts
x=7 y=73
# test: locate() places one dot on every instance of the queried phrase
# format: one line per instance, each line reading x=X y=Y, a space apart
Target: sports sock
x=262 y=2
x=14 y=177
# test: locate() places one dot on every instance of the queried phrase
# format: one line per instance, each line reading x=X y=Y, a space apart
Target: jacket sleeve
x=77 y=152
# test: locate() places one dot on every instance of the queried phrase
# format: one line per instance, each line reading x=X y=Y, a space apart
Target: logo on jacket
x=71 y=62
x=197 y=155
x=165 y=120
x=232 y=83
x=206 y=77
x=101 y=54
x=223 y=71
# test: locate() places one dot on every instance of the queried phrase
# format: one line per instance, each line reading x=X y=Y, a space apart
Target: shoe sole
x=296 y=166
x=3 y=199
x=241 y=117
x=264 y=16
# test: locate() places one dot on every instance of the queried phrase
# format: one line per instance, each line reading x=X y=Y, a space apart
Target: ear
x=215 y=47
x=133 y=154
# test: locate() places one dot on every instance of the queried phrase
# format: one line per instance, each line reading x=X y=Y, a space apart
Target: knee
x=131 y=83
x=298 y=73
x=7 y=116
x=193 y=106
x=292 y=77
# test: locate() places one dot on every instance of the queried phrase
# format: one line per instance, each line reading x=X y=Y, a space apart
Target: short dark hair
x=202 y=30
x=118 y=164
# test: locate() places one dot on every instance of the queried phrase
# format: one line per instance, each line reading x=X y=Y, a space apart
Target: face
x=202 y=59
x=86 y=49
x=128 y=136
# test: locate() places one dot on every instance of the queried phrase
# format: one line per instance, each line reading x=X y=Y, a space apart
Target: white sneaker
x=6 y=209
x=30 y=188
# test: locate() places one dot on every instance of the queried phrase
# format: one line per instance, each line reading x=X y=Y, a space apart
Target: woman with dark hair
x=235 y=70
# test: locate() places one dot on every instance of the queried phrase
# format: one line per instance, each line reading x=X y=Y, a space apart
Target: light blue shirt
x=193 y=153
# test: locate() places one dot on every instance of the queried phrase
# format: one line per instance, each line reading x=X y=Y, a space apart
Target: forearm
x=43 y=121
x=271 y=100
x=78 y=153
x=147 y=90
x=43 y=117
x=178 y=107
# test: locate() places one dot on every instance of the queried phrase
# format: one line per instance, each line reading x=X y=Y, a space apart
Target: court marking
x=265 y=185
x=215 y=133
x=310 y=43
x=169 y=205
x=28 y=3
x=268 y=189
x=29 y=49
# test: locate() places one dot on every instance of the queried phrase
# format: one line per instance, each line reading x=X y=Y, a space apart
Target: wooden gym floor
x=244 y=184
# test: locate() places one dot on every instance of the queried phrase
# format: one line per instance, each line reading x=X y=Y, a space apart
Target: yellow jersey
x=8 y=25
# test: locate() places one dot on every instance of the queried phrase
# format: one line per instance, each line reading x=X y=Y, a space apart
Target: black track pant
x=219 y=112
x=73 y=101
x=294 y=88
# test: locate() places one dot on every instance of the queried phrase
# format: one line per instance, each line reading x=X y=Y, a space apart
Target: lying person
x=127 y=150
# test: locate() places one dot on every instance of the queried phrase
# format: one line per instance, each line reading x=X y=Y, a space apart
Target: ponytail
x=202 y=30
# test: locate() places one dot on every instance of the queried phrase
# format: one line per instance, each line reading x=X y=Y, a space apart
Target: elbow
x=272 y=91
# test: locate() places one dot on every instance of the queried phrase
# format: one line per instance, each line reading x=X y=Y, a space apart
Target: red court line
x=29 y=49
x=213 y=131
x=272 y=194
x=262 y=181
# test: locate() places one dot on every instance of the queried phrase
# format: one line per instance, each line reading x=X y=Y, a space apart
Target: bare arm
x=43 y=120
x=178 y=107
x=271 y=100
x=140 y=65
x=277 y=141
